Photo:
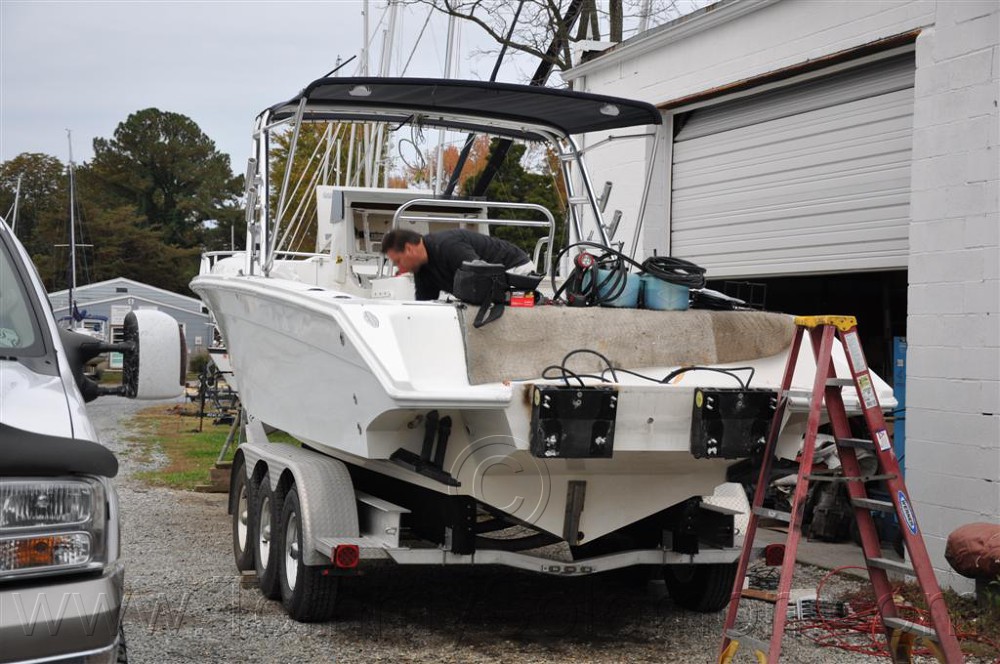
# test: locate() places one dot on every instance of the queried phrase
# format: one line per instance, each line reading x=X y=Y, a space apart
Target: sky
x=86 y=65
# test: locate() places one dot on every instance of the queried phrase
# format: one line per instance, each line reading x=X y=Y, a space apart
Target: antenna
x=339 y=65
x=72 y=229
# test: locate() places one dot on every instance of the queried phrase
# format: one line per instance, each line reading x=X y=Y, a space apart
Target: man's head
x=405 y=249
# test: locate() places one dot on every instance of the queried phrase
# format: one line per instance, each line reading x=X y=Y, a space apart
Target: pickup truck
x=61 y=572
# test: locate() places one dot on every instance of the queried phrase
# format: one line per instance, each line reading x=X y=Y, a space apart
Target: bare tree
x=544 y=22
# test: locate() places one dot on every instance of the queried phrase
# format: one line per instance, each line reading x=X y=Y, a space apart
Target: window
x=18 y=327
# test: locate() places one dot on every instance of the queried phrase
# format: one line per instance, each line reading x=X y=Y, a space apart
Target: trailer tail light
x=774 y=555
x=346 y=556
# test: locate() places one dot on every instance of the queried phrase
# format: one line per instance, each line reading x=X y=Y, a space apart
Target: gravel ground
x=185 y=602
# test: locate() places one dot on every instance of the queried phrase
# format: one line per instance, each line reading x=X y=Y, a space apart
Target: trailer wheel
x=702 y=588
x=243 y=532
x=306 y=593
x=267 y=508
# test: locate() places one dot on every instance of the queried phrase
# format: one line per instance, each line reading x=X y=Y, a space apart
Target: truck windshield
x=18 y=328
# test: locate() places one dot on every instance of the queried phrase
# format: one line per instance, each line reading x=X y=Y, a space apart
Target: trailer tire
x=244 y=535
x=307 y=594
x=701 y=588
x=265 y=517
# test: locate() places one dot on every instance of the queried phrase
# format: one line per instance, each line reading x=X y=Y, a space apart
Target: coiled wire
x=675 y=271
x=607 y=289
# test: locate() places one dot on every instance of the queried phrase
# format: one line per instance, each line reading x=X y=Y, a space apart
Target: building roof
x=104 y=291
x=704 y=18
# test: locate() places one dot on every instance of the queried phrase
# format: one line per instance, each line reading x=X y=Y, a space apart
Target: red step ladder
x=901 y=634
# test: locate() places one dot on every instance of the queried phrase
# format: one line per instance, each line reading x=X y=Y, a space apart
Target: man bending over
x=435 y=258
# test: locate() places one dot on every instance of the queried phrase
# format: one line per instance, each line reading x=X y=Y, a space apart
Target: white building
x=114 y=298
x=845 y=155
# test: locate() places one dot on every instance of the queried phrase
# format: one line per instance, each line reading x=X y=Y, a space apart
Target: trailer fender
x=326 y=492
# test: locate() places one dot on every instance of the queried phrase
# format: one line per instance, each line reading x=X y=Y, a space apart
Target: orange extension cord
x=864 y=621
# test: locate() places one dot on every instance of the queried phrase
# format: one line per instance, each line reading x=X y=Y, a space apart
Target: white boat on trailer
x=563 y=440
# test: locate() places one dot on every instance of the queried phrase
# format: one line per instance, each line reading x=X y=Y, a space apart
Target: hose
x=666 y=268
x=592 y=291
x=675 y=271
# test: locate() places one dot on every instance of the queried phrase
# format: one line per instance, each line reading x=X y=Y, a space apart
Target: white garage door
x=809 y=178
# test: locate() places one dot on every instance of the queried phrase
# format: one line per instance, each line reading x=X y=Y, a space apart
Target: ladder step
x=875 y=505
x=891 y=566
x=773 y=514
x=748 y=641
x=840 y=382
x=922 y=631
x=857 y=443
x=841 y=478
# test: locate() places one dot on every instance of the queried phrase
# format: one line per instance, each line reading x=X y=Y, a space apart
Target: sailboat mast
x=365 y=169
x=388 y=37
x=17 y=201
x=72 y=230
x=449 y=57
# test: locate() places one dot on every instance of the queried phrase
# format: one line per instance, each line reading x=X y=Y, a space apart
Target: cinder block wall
x=953 y=325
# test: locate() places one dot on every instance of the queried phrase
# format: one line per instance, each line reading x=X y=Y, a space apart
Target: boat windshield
x=18 y=327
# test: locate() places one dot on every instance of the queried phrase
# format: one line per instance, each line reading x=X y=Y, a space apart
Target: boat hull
x=356 y=379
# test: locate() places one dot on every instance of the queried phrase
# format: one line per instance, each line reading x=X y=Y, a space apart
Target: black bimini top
x=519 y=111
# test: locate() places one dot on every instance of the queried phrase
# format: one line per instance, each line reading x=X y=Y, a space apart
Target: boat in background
x=92 y=325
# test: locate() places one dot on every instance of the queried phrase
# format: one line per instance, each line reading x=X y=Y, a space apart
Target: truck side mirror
x=155 y=365
x=154 y=357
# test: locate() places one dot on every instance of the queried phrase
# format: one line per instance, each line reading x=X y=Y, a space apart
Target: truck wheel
x=243 y=534
x=267 y=506
x=702 y=588
x=307 y=594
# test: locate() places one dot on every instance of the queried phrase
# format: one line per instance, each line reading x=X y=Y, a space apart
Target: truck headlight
x=52 y=525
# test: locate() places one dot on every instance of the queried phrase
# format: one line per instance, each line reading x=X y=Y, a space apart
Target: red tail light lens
x=346 y=556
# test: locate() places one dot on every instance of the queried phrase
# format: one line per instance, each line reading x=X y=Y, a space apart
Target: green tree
x=126 y=249
x=114 y=242
x=43 y=193
x=516 y=184
x=171 y=171
x=315 y=163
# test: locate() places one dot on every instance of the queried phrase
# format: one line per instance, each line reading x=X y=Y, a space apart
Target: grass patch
x=977 y=626
x=173 y=431
x=110 y=378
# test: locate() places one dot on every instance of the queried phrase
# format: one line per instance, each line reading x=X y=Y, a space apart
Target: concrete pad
x=828 y=555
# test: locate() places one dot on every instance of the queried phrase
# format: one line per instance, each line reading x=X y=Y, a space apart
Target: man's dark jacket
x=446 y=250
